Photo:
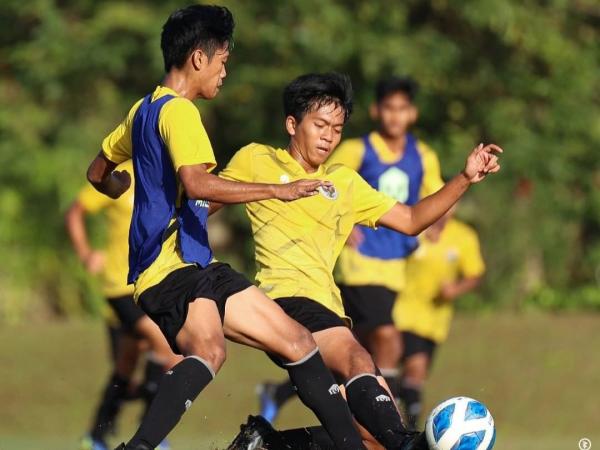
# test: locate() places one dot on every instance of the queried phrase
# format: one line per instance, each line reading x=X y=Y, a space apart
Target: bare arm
x=103 y=176
x=414 y=219
x=452 y=291
x=199 y=184
x=92 y=259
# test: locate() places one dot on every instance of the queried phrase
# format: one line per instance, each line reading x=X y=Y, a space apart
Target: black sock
x=410 y=394
x=153 y=373
x=112 y=399
x=318 y=390
x=283 y=392
x=375 y=410
x=178 y=389
x=391 y=377
x=311 y=438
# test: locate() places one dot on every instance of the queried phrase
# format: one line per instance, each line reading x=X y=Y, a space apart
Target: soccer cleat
x=269 y=409
x=252 y=434
x=88 y=443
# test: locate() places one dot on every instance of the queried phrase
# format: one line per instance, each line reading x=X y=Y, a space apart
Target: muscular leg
x=202 y=342
x=253 y=319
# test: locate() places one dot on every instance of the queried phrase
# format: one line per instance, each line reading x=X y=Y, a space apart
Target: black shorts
x=310 y=314
x=167 y=302
x=126 y=311
x=413 y=344
x=368 y=306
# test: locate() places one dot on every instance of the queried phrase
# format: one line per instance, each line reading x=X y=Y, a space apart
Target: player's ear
x=290 y=125
x=374 y=111
x=198 y=58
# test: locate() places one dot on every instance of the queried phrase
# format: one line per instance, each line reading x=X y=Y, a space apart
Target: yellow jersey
x=297 y=243
x=455 y=255
x=181 y=130
x=407 y=177
x=118 y=216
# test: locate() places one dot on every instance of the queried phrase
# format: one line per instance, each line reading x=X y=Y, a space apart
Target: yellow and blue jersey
x=380 y=258
x=161 y=133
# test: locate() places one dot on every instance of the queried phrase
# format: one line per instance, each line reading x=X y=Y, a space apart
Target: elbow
x=93 y=176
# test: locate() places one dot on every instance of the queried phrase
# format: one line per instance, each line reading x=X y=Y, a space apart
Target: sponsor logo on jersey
x=383 y=398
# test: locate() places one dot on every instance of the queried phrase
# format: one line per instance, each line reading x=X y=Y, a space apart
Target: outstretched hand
x=482 y=161
x=299 y=189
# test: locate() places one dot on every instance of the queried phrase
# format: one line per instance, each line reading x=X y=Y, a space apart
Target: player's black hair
x=205 y=27
x=311 y=91
x=392 y=85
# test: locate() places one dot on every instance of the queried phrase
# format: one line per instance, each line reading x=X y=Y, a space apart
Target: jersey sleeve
x=432 y=177
x=349 y=153
x=184 y=135
x=368 y=203
x=471 y=262
x=117 y=145
x=91 y=200
x=240 y=168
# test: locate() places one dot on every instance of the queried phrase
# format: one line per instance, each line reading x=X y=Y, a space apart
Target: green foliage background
x=522 y=74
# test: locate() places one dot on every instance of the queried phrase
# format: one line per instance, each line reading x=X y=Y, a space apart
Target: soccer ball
x=460 y=423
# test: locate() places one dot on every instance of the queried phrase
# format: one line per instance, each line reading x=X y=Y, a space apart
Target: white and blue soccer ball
x=460 y=423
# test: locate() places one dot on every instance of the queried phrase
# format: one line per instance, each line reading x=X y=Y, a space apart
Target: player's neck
x=395 y=144
x=177 y=81
x=297 y=155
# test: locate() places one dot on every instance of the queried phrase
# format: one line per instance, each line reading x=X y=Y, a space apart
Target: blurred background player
x=371 y=266
x=447 y=264
x=134 y=330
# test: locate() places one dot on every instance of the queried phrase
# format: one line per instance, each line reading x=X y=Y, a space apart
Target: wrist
x=274 y=190
x=465 y=178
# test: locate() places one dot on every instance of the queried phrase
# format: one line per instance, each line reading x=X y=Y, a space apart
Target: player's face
x=317 y=134
x=211 y=74
x=395 y=114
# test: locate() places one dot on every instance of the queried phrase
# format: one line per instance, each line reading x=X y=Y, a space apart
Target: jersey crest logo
x=285 y=178
x=328 y=192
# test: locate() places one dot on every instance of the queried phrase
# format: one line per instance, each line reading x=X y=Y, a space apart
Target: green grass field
x=538 y=374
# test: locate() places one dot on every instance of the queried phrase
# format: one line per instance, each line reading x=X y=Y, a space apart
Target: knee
x=213 y=354
x=359 y=362
x=301 y=344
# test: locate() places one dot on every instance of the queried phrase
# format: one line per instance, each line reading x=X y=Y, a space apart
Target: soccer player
x=136 y=329
x=298 y=243
x=196 y=301
x=447 y=264
x=371 y=267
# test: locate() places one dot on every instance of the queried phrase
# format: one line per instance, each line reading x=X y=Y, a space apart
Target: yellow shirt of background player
x=297 y=243
x=456 y=254
x=187 y=142
x=355 y=268
x=118 y=215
